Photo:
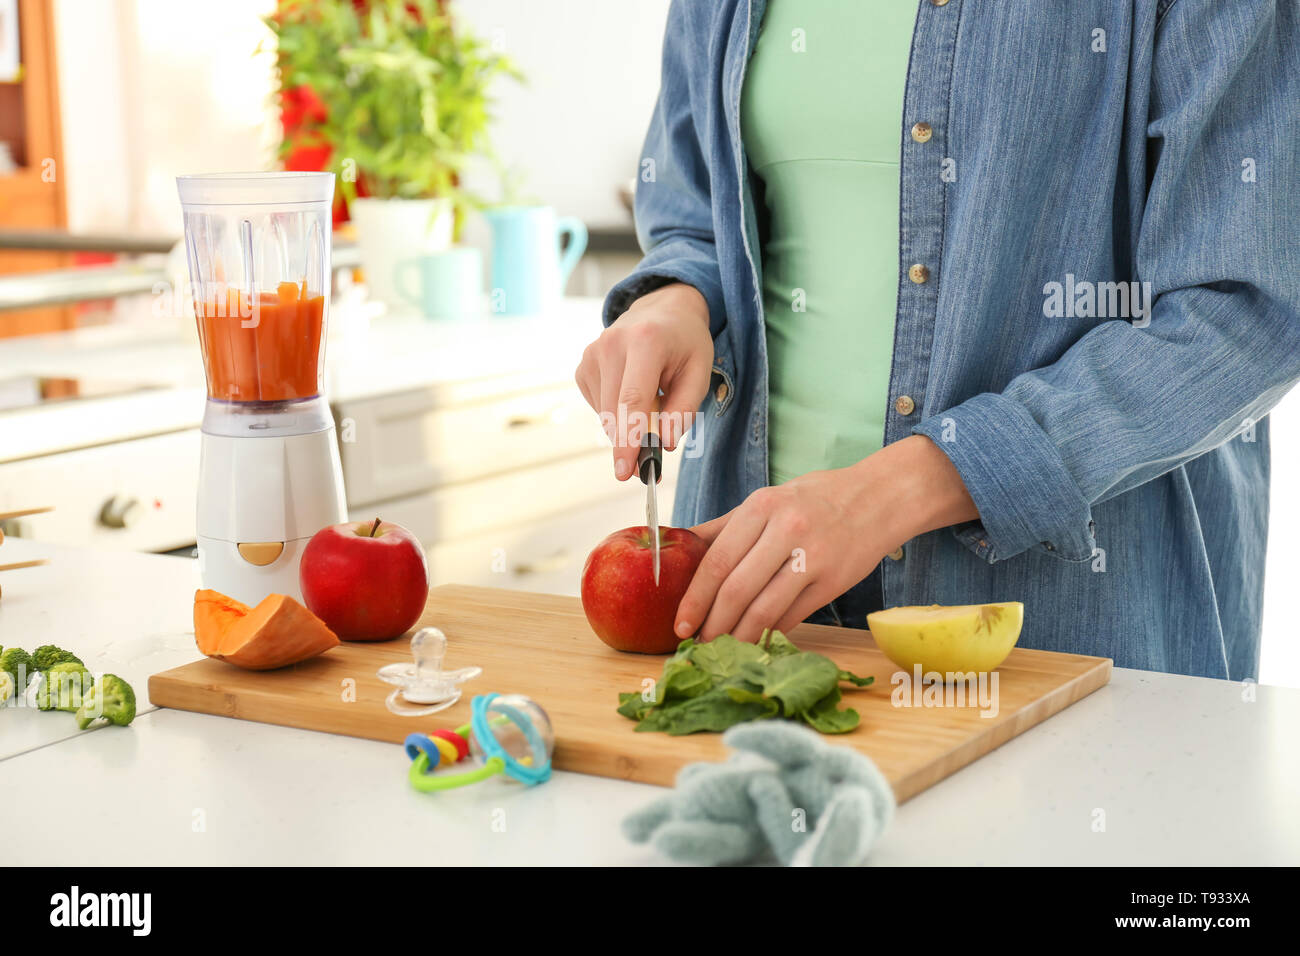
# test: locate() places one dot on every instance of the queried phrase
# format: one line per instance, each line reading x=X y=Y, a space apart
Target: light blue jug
x=529 y=271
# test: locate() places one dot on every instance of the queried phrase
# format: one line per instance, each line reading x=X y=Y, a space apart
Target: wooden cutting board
x=540 y=645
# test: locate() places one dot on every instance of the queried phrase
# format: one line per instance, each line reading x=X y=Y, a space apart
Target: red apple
x=624 y=607
x=367 y=581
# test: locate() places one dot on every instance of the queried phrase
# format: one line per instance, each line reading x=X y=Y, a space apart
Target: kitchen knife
x=650 y=466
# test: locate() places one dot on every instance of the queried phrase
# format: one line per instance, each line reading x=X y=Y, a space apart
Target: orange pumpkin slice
x=276 y=633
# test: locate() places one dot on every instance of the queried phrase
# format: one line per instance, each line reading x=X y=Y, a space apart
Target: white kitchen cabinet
x=135 y=495
x=544 y=554
x=530 y=528
x=405 y=443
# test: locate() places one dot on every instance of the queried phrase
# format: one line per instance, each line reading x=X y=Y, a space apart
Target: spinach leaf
x=742 y=691
x=713 y=686
x=825 y=716
x=717 y=710
x=855 y=679
x=798 y=681
x=634 y=705
x=722 y=657
x=680 y=680
x=778 y=645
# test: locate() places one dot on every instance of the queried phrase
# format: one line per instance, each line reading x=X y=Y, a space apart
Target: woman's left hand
x=790 y=549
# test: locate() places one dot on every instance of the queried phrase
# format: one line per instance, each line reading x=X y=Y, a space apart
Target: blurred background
x=483 y=149
x=485 y=152
x=119 y=97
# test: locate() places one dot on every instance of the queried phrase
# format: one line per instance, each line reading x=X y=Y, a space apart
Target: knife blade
x=650 y=466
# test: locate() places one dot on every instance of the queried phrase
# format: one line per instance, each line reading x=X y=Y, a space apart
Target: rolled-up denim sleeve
x=1130 y=401
x=674 y=210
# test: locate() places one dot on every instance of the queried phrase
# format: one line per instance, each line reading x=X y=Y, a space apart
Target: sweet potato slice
x=276 y=633
x=214 y=616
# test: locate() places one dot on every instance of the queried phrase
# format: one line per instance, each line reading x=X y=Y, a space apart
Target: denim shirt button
x=939 y=3
x=921 y=132
x=896 y=554
x=720 y=393
x=918 y=274
x=1049 y=546
x=904 y=405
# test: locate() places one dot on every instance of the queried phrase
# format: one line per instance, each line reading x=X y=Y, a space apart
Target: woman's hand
x=661 y=342
x=792 y=548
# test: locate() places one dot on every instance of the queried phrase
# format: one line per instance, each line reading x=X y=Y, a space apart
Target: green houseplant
x=400 y=97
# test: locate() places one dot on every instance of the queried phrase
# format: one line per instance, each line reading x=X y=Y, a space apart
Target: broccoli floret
x=6 y=686
x=47 y=655
x=17 y=663
x=63 y=686
x=112 y=699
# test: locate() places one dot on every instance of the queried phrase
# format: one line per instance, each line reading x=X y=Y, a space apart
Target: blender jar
x=258 y=246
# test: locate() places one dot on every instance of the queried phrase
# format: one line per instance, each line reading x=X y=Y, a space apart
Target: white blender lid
x=247 y=189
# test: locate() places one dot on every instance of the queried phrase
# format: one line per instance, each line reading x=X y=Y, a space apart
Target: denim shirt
x=1117 y=451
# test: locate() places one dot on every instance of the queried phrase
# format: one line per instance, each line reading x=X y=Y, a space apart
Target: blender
x=258 y=246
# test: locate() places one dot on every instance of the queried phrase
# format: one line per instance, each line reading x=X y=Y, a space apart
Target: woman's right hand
x=661 y=342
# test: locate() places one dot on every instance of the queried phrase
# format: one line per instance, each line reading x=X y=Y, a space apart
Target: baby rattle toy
x=507 y=733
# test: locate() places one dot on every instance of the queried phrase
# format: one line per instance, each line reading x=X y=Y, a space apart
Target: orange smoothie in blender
x=262 y=348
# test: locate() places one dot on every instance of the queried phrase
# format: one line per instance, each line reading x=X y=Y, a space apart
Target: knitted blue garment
x=785 y=795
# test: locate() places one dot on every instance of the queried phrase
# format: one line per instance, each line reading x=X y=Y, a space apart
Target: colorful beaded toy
x=508 y=734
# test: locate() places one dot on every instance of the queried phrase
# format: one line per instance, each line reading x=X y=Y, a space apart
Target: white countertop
x=121 y=612
x=1186 y=770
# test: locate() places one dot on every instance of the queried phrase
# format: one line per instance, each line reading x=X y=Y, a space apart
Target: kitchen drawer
x=406 y=443
x=544 y=556
x=135 y=495
x=517 y=498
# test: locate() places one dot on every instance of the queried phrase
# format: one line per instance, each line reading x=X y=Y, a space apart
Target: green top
x=821 y=118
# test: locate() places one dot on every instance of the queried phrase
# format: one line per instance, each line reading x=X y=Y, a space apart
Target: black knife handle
x=651 y=451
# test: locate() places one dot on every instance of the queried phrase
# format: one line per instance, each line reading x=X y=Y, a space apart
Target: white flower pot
x=391 y=231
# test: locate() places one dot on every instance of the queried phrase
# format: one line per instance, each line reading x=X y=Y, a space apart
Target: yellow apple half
x=969 y=637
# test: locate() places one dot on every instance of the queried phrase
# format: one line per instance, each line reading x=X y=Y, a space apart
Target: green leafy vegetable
x=47 y=655
x=798 y=681
x=63 y=686
x=778 y=645
x=111 y=699
x=713 y=686
x=827 y=717
x=718 y=709
x=17 y=663
x=726 y=656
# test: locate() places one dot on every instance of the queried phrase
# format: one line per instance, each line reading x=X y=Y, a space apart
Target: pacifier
x=423 y=682
x=507 y=733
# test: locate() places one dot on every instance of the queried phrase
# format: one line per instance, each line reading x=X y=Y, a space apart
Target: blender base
x=222 y=568
x=260 y=500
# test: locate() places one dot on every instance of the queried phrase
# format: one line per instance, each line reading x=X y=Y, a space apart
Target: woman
x=971 y=302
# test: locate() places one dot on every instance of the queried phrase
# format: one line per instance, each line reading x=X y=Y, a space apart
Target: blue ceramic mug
x=528 y=269
x=442 y=285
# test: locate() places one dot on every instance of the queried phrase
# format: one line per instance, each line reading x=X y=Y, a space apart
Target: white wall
x=93 y=102
x=576 y=127
x=152 y=89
